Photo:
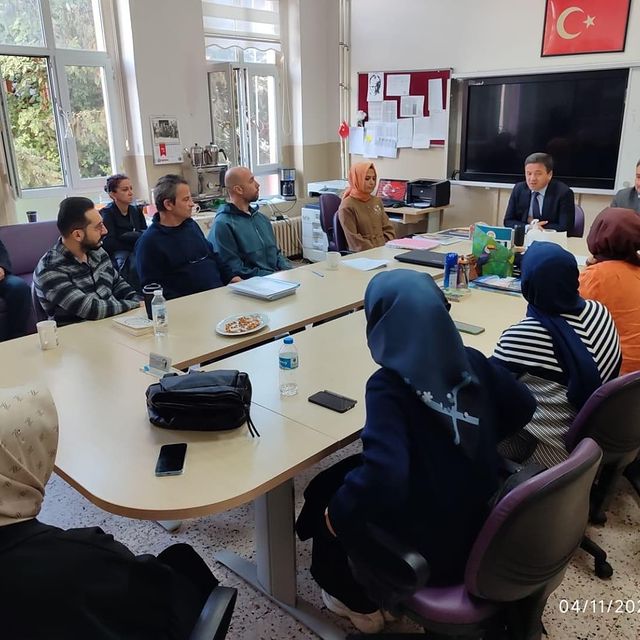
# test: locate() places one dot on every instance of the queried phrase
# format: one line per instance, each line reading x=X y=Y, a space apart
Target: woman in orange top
x=362 y=216
x=613 y=276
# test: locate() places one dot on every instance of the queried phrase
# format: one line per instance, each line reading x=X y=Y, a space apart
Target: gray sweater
x=627 y=199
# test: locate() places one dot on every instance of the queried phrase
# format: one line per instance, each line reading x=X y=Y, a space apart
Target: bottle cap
x=288 y=340
x=158 y=291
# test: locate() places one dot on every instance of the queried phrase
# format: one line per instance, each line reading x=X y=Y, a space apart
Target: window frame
x=58 y=59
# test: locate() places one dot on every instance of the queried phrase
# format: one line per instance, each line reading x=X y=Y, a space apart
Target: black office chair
x=329 y=204
x=215 y=616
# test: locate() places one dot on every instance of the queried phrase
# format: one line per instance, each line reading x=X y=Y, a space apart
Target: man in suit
x=629 y=198
x=540 y=200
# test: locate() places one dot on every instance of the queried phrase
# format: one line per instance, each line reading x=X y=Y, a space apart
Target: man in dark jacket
x=540 y=200
x=16 y=295
x=629 y=198
x=173 y=251
x=242 y=236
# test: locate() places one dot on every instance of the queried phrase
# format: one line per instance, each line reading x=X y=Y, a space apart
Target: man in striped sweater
x=75 y=279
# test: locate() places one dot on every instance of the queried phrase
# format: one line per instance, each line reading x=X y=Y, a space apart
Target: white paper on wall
x=387 y=140
x=374 y=111
x=405 y=132
x=411 y=106
x=389 y=111
x=370 y=135
x=439 y=125
x=356 y=140
x=421 y=133
x=398 y=84
x=435 y=96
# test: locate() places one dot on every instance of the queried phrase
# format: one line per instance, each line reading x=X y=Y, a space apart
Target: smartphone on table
x=463 y=327
x=333 y=401
x=171 y=459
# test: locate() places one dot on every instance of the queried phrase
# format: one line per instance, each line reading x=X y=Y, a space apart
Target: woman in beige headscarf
x=78 y=583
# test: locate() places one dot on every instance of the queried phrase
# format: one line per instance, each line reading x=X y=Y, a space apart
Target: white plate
x=263 y=317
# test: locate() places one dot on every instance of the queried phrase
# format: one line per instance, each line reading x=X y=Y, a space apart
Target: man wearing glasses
x=173 y=251
x=75 y=279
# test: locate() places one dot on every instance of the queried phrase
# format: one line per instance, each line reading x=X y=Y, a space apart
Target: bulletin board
x=418 y=86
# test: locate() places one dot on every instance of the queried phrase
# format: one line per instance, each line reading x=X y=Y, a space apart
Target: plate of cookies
x=242 y=324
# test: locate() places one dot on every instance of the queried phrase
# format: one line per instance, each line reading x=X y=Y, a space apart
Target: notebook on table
x=264 y=287
x=392 y=192
x=423 y=257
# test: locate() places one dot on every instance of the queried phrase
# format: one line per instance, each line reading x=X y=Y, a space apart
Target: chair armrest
x=215 y=616
x=389 y=569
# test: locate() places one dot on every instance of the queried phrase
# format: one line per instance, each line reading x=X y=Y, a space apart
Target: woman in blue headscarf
x=435 y=412
x=563 y=350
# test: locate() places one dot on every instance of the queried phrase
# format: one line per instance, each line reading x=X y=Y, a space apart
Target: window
x=242 y=43
x=56 y=85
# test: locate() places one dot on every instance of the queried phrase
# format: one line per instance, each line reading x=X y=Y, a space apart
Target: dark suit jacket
x=558 y=207
x=5 y=262
x=626 y=198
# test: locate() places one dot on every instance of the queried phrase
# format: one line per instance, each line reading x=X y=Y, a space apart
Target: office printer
x=432 y=193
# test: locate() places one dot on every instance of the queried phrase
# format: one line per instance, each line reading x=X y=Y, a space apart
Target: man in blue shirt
x=242 y=236
x=173 y=252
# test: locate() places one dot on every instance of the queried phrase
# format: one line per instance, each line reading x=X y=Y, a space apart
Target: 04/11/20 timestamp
x=619 y=606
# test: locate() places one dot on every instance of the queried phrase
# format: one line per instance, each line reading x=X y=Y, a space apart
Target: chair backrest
x=611 y=416
x=338 y=234
x=531 y=534
x=578 y=223
x=27 y=243
x=329 y=205
x=215 y=616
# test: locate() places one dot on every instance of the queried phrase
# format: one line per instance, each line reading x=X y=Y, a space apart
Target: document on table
x=365 y=264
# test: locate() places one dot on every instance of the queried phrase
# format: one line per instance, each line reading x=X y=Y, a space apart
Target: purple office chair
x=518 y=559
x=611 y=417
x=329 y=204
x=578 y=223
x=338 y=234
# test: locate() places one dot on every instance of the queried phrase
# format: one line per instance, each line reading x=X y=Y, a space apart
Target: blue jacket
x=178 y=258
x=414 y=481
x=246 y=243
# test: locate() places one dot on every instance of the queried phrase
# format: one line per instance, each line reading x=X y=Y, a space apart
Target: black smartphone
x=463 y=327
x=332 y=401
x=171 y=459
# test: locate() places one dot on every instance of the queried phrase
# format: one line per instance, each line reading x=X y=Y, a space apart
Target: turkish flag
x=343 y=131
x=584 y=26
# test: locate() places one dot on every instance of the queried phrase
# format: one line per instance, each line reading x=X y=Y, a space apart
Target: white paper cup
x=48 y=334
x=333 y=260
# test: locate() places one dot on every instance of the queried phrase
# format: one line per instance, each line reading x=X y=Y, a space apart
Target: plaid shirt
x=70 y=290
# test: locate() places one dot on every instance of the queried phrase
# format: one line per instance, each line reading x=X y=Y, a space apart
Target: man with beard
x=75 y=279
x=241 y=235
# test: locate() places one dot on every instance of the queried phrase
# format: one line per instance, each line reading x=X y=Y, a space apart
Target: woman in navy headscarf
x=563 y=350
x=435 y=412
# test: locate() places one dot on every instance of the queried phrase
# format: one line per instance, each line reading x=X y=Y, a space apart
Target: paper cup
x=47 y=334
x=333 y=260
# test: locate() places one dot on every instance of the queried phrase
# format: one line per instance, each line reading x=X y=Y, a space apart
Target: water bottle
x=288 y=359
x=159 y=314
x=450 y=270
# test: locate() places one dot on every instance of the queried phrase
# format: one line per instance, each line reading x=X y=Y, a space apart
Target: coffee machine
x=204 y=173
x=288 y=184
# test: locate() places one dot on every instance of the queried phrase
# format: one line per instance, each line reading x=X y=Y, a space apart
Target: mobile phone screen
x=463 y=327
x=171 y=459
x=332 y=401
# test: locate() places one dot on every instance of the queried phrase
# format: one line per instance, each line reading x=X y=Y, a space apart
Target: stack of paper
x=413 y=243
x=135 y=325
x=365 y=264
x=265 y=288
x=508 y=284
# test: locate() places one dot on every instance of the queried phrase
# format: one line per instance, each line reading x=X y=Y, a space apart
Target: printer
x=430 y=193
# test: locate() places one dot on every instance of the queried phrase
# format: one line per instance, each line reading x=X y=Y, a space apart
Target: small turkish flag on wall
x=584 y=26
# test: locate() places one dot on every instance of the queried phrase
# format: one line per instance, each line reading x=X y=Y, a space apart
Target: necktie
x=535 y=206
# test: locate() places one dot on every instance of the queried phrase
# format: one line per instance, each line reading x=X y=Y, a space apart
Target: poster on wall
x=584 y=26
x=375 y=87
x=166 y=140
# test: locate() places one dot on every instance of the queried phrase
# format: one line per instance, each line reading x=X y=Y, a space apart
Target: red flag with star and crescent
x=584 y=26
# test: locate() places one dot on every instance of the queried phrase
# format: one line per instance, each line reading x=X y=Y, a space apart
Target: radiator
x=288 y=235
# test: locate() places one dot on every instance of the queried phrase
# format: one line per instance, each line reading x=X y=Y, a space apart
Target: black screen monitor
x=574 y=117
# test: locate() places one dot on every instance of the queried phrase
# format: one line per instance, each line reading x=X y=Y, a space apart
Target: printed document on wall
x=405 y=132
x=369 y=145
x=398 y=84
x=435 y=96
x=421 y=133
x=411 y=106
x=439 y=126
x=389 y=111
x=387 y=140
x=356 y=140
x=375 y=87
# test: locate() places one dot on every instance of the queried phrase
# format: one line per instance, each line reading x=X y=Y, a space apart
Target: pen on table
x=318 y=273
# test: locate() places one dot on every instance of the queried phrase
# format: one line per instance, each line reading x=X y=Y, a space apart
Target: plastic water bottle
x=288 y=359
x=159 y=314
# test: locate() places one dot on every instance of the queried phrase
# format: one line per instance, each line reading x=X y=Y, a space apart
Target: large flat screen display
x=575 y=117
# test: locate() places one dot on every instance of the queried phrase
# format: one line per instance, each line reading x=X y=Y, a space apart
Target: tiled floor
x=256 y=618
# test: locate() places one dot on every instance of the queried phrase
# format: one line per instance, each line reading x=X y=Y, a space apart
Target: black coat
x=81 y=583
x=5 y=262
x=123 y=231
x=558 y=207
